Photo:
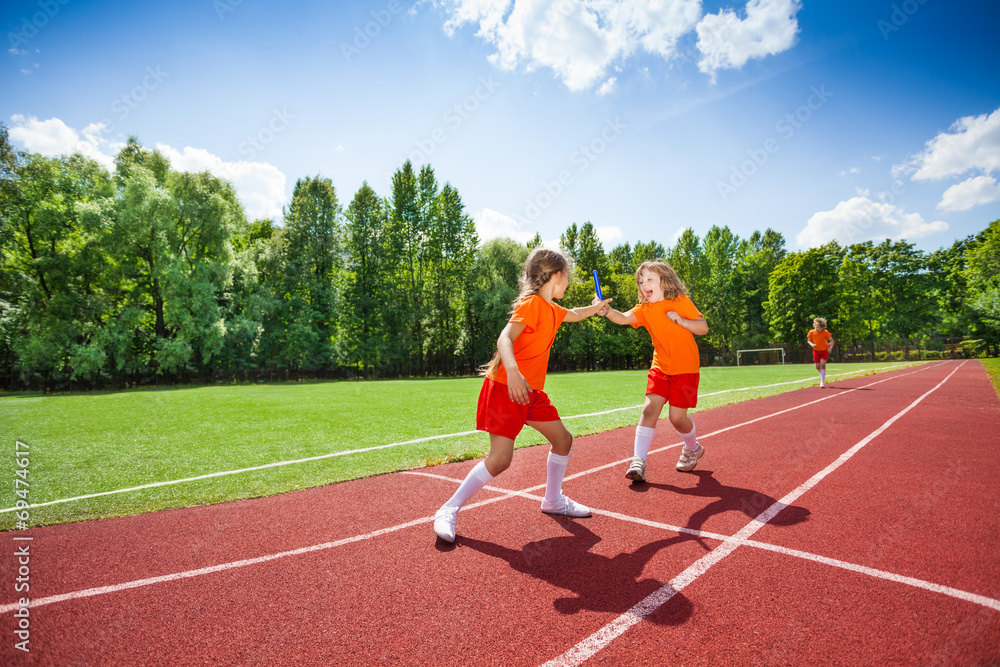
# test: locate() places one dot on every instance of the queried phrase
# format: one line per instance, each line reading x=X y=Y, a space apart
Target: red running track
x=852 y=525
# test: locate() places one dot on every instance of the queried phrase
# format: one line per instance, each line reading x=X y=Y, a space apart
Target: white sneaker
x=688 y=459
x=444 y=523
x=637 y=470
x=566 y=507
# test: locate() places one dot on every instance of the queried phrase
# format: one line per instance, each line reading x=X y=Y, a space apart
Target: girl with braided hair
x=512 y=393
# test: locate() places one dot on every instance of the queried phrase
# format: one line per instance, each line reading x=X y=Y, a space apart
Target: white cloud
x=492 y=224
x=259 y=185
x=727 y=42
x=860 y=219
x=972 y=143
x=53 y=137
x=609 y=236
x=607 y=87
x=577 y=39
x=969 y=193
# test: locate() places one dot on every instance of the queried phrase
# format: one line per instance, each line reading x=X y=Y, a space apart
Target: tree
x=589 y=252
x=646 y=252
x=800 y=290
x=55 y=217
x=983 y=276
x=452 y=242
x=311 y=295
x=407 y=237
x=721 y=299
x=366 y=288
x=688 y=260
x=756 y=258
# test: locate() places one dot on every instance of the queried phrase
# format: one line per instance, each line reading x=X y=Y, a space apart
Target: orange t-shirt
x=531 y=349
x=674 y=348
x=821 y=339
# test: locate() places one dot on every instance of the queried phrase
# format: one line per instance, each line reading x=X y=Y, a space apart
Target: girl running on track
x=672 y=321
x=512 y=393
x=821 y=341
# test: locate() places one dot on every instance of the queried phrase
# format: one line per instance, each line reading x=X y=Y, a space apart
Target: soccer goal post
x=739 y=353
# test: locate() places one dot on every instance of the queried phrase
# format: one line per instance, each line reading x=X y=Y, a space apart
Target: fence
x=900 y=349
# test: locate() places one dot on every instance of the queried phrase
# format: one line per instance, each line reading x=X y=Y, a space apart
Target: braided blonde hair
x=539 y=268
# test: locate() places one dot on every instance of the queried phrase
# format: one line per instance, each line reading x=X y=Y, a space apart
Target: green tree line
x=145 y=274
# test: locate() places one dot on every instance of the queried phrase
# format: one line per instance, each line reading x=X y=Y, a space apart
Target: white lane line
x=329 y=545
x=975 y=598
x=138 y=583
x=587 y=648
x=700 y=436
x=882 y=574
x=727 y=391
x=241 y=470
x=276 y=464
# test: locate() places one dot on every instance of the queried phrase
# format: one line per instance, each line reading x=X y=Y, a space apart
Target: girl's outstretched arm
x=582 y=313
x=618 y=317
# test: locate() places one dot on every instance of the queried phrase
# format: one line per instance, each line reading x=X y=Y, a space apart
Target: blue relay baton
x=597 y=284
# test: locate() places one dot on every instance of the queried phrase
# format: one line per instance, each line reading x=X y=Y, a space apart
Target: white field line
x=975 y=598
x=329 y=545
x=276 y=464
x=138 y=583
x=587 y=648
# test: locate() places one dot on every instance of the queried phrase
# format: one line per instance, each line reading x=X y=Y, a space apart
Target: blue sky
x=845 y=121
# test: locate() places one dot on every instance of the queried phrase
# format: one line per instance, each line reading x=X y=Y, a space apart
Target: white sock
x=690 y=439
x=643 y=439
x=477 y=478
x=822 y=376
x=555 y=469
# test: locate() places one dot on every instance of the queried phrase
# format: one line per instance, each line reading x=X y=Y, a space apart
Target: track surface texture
x=852 y=525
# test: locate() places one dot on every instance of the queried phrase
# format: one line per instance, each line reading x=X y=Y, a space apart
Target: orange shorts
x=681 y=390
x=819 y=355
x=499 y=415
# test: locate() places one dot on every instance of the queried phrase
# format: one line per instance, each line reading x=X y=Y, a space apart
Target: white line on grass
x=587 y=648
x=276 y=464
x=507 y=493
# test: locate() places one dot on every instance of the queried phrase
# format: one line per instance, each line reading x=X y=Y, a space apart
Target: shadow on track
x=730 y=499
x=599 y=583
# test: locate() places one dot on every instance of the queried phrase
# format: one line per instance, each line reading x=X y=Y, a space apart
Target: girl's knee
x=562 y=444
x=681 y=423
x=497 y=464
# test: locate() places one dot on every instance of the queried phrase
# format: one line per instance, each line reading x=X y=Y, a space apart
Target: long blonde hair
x=539 y=268
x=671 y=284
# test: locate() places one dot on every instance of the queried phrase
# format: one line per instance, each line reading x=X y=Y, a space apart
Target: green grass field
x=90 y=443
x=993 y=371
